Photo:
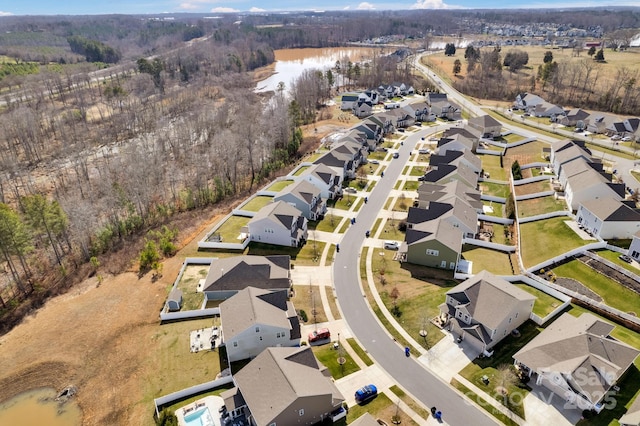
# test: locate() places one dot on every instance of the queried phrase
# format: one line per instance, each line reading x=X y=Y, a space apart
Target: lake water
x=38 y=407
x=290 y=63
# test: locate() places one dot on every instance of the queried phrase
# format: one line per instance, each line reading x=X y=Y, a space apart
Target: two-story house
x=326 y=179
x=488 y=126
x=484 y=309
x=305 y=197
x=278 y=223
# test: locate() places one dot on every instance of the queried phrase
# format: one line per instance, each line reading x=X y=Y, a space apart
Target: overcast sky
x=93 y=7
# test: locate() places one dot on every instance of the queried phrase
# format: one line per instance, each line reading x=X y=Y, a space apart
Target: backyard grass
x=502 y=355
x=495 y=189
x=257 y=203
x=497 y=208
x=279 y=185
x=306 y=255
x=482 y=403
x=380 y=407
x=491 y=165
x=613 y=294
x=540 y=205
x=528 y=153
x=333 y=306
x=533 y=187
x=328 y=356
x=307 y=298
x=494 y=261
x=544 y=303
x=419 y=410
x=359 y=351
x=544 y=239
x=229 y=230
x=498 y=232
x=180 y=367
x=614 y=256
x=301 y=170
x=411 y=185
x=420 y=290
x=512 y=137
x=313 y=157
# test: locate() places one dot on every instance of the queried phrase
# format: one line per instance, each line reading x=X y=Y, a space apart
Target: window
x=459 y=314
x=635 y=254
x=517 y=314
x=273 y=424
x=509 y=320
x=260 y=337
x=235 y=344
x=257 y=329
x=433 y=252
x=301 y=412
x=466 y=318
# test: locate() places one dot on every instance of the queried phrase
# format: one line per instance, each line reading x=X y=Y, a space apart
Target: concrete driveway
x=448 y=357
x=542 y=408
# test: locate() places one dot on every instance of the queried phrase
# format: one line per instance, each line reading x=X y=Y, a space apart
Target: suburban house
x=305 y=197
x=547 y=109
x=628 y=127
x=443 y=108
x=634 y=248
x=609 y=218
x=575 y=117
x=255 y=319
x=456 y=212
x=401 y=118
x=428 y=192
x=590 y=185
x=436 y=244
x=371 y=130
x=485 y=309
x=421 y=111
x=527 y=101
x=278 y=223
x=455 y=158
x=327 y=180
x=566 y=150
x=347 y=102
x=632 y=416
x=344 y=158
x=577 y=359
x=578 y=166
x=382 y=120
x=362 y=108
x=227 y=276
x=457 y=142
x=488 y=126
x=598 y=123
x=445 y=173
x=283 y=386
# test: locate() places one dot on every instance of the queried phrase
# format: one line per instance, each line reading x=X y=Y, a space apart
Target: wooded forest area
x=92 y=156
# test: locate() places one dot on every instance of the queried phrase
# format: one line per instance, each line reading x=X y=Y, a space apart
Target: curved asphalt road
x=407 y=372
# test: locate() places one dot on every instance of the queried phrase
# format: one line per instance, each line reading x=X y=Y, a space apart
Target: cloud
x=346 y=8
x=188 y=6
x=257 y=9
x=224 y=10
x=430 y=4
x=5 y=13
x=365 y=6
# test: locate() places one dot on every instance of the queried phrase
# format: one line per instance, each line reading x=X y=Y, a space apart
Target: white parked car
x=626 y=139
x=424 y=151
x=616 y=137
x=391 y=245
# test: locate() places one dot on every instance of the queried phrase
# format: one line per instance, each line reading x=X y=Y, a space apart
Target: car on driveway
x=365 y=393
x=424 y=151
x=351 y=190
x=616 y=137
x=374 y=161
x=319 y=334
x=626 y=139
x=625 y=258
x=391 y=245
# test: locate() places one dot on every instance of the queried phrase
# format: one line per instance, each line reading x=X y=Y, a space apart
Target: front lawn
x=328 y=224
x=494 y=261
x=502 y=355
x=416 y=407
x=411 y=185
x=613 y=294
x=377 y=155
x=540 y=205
x=379 y=407
x=482 y=403
x=402 y=204
x=343 y=203
x=329 y=357
x=544 y=303
x=417 y=171
x=307 y=298
x=544 y=239
x=390 y=231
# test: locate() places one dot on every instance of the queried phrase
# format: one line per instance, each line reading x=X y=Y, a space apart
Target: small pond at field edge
x=39 y=407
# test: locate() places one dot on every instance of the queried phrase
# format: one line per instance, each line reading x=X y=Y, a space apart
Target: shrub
x=303 y=315
x=167 y=418
x=149 y=256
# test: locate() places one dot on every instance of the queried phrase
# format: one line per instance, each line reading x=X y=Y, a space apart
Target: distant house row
x=599 y=203
x=448 y=203
x=601 y=123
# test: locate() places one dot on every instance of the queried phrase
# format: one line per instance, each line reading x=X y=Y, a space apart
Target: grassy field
x=496 y=262
x=491 y=165
x=540 y=205
x=257 y=203
x=495 y=189
x=544 y=304
x=544 y=239
x=614 y=294
x=502 y=354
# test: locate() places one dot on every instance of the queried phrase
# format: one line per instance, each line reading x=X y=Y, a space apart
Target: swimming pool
x=199 y=418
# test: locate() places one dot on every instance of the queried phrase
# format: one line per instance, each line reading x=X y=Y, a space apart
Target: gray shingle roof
x=612 y=210
x=237 y=272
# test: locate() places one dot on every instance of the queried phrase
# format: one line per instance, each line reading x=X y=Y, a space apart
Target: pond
x=290 y=63
x=39 y=407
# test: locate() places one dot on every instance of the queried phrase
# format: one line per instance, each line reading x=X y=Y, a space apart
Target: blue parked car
x=366 y=392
